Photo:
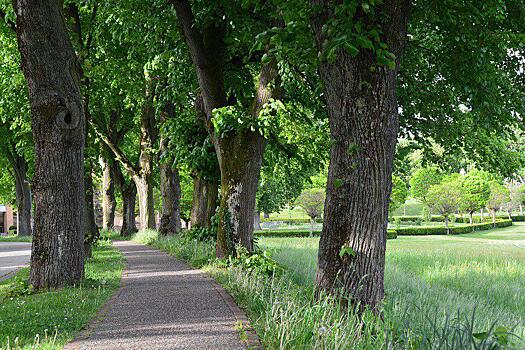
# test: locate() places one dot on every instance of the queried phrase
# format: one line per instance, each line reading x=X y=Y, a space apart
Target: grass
x=441 y=292
x=15 y=238
x=481 y=273
x=49 y=320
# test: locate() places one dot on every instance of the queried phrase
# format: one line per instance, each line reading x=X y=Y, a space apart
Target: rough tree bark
x=129 y=196
x=239 y=153
x=169 y=183
x=205 y=194
x=257 y=220
x=109 y=203
x=363 y=117
x=91 y=232
x=23 y=195
x=52 y=73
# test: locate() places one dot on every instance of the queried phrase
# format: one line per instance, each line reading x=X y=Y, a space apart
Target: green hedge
x=292 y=220
x=441 y=230
x=391 y=234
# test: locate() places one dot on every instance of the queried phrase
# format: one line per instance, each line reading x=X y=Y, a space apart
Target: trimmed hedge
x=390 y=234
x=441 y=230
x=293 y=220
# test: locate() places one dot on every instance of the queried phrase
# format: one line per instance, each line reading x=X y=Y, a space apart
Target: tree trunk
x=108 y=193
x=91 y=232
x=129 y=196
x=58 y=122
x=239 y=180
x=471 y=218
x=363 y=117
x=266 y=215
x=521 y=209
x=144 y=187
x=312 y=223
x=171 y=193
x=205 y=193
x=446 y=224
x=257 y=220
x=481 y=215
x=510 y=214
x=23 y=196
x=493 y=211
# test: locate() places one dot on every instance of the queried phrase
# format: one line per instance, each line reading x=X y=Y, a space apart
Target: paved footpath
x=13 y=255
x=162 y=304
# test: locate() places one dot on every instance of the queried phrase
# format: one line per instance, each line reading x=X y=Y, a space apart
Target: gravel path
x=163 y=304
x=13 y=255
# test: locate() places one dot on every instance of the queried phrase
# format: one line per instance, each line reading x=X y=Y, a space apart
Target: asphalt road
x=13 y=255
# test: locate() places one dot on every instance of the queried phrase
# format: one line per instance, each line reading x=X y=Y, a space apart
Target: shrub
x=391 y=234
x=260 y=262
x=200 y=233
x=441 y=230
x=12 y=230
x=292 y=221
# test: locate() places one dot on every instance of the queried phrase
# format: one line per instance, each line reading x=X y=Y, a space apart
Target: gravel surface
x=163 y=304
x=13 y=255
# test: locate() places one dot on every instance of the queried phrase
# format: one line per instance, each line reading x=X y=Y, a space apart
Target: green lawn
x=481 y=273
x=49 y=320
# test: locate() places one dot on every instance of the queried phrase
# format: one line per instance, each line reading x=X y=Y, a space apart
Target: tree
x=359 y=71
x=239 y=145
x=52 y=72
x=515 y=198
x=312 y=201
x=422 y=180
x=399 y=193
x=476 y=191
x=445 y=197
x=499 y=195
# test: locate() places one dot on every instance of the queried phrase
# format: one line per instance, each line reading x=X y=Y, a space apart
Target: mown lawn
x=15 y=238
x=49 y=320
x=430 y=277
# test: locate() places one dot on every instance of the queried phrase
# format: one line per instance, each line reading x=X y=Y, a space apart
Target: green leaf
x=346 y=250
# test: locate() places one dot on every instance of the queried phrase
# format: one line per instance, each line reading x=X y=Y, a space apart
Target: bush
x=260 y=262
x=441 y=230
x=293 y=220
x=391 y=234
x=200 y=233
x=12 y=230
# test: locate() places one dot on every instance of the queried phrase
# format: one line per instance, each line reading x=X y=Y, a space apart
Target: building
x=7 y=218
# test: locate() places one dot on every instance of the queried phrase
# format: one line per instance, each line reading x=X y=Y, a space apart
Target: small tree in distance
x=445 y=197
x=422 y=180
x=499 y=195
x=476 y=191
x=312 y=201
x=399 y=194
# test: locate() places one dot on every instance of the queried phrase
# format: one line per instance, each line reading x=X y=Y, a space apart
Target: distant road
x=13 y=255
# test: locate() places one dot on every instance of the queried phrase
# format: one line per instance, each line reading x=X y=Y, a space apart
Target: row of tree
x=240 y=95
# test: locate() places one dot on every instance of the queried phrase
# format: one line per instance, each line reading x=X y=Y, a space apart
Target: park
x=249 y=174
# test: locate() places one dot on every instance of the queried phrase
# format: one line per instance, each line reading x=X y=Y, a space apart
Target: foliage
x=200 y=234
x=312 y=201
x=442 y=230
x=475 y=190
x=259 y=262
x=446 y=196
x=422 y=180
x=499 y=195
x=399 y=193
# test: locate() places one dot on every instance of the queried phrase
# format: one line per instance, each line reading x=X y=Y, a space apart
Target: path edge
x=100 y=315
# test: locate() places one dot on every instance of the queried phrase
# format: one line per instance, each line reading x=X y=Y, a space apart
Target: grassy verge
x=15 y=238
x=418 y=314
x=49 y=320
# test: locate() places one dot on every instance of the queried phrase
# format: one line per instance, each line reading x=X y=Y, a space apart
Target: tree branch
x=119 y=155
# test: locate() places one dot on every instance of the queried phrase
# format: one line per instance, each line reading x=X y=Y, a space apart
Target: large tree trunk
x=204 y=202
x=239 y=180
x=108 y=193
x=144 y=187
x=91 y=232
x=171 y=193
x=58 y=122
x=363 y=116
x=129 y=196
x=23 y=196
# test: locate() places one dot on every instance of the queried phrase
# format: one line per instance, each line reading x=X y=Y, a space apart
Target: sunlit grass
x=48 y=320
x=483 y=271
x=15 y=238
